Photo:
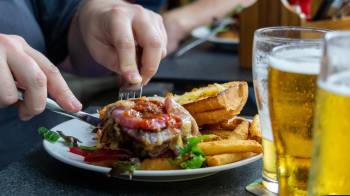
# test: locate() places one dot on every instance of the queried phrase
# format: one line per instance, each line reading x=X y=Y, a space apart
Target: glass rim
x=303 y=63
x=259 y=33
x=337 y=34
x=278 y=49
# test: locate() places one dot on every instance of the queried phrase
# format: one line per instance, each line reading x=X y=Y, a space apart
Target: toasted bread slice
x=201 y=93
x=231 y=96
x=215 y=103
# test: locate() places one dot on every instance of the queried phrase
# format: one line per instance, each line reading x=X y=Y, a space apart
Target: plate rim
x=49 y=148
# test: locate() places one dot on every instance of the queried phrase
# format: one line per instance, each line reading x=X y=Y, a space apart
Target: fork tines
x=125 y=93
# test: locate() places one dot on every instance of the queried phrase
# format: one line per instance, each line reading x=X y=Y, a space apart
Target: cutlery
x=216 y=27
x=129 y=91
x=54 y=107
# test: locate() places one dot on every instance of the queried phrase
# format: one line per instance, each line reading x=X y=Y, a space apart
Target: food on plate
x=48 y=135
x=215 y=103
x=222 y=159
x=149 y=127
x=158 y=164
x=254 y=129
x=156 y=133
x=229 y=146
x=241 y=131
x=228 y=33
x=220 y=134
x=229 y=124
x=69 y=140
x=237 y=128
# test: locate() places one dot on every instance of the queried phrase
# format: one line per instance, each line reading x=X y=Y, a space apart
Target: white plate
x=203 y=31
x=82 y=131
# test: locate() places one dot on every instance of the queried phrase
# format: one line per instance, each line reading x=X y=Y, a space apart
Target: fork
x=129 y=91
x=217 y=26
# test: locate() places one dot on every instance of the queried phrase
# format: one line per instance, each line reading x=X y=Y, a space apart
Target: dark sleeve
x=54 y=17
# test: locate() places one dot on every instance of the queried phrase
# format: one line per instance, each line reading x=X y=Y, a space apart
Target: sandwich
x=148 y=127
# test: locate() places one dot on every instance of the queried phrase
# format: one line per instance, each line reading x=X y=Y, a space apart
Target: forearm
x=208 y=9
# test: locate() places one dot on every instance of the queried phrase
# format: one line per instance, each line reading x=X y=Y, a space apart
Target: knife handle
x=54 y=107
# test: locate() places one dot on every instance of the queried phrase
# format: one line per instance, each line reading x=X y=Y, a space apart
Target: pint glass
x=265 y=40
x=330 y=170
x=292 y=85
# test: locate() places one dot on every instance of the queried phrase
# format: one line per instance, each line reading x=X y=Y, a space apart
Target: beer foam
x=297 y=60
x=338 y=83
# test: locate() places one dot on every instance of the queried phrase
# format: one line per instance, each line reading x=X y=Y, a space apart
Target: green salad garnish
x=191 y=156
x=69 y=140
x=90 y=148
x=48 y=135
x=120 y=167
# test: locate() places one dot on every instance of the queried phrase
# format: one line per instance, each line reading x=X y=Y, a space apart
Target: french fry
x=232 y=123
x=222 y=159
x=212 y=137
x=254 y=129
x=223 y=134
x=241 y=131
x=230 y=146
x=158 y=164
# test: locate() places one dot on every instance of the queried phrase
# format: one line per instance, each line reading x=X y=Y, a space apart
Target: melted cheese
x=201 y=93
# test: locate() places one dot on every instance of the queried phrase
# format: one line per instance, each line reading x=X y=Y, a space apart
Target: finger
x=56 y=85
x=104 y=54
x=151 y=42
x=8 y=91
x=123 y=41
x=29 y=75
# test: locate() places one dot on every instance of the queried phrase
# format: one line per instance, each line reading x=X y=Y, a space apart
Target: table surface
x=205 y=64
x=39 y=173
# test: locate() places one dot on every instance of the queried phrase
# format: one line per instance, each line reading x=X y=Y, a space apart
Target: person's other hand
x=175 y=29
x=111 y=30
x=22 y=66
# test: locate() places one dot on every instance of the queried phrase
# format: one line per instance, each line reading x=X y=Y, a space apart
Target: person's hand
x=22 y=66
x=175 y=29
x=111 y=30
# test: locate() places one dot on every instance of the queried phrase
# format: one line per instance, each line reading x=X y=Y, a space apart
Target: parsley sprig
x=191 y=156
x=48 y=135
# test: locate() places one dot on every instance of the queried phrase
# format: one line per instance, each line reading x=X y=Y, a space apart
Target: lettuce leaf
x=190 y=156
x=48 y=135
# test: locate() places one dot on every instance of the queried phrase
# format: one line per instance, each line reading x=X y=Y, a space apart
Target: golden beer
x=330 y=173
x=269 y=171
x=269 y=165
x=292 y=89
x=269 y=160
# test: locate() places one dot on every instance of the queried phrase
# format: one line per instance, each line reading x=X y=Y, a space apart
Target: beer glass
x=330 y=170
x=265 y=40
x=292 y=85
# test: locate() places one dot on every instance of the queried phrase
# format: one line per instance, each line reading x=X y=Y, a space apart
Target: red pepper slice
x=101 y=154
x=78 y=151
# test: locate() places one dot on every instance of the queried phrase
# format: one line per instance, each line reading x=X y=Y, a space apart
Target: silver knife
x=54 y=107
x=217 y=27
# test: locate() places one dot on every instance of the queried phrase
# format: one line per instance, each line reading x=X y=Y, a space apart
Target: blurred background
x=222 y=57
